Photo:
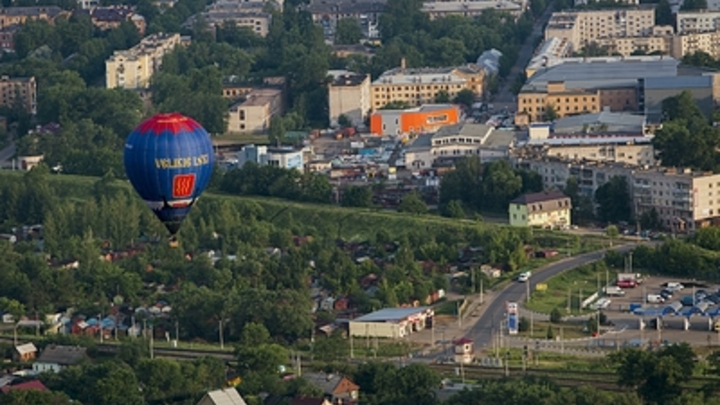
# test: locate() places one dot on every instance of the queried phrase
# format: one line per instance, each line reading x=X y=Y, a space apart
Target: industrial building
x=427 y=118
x=391 y=323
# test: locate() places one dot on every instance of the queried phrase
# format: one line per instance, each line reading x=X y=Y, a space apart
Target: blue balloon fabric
x=169 y=161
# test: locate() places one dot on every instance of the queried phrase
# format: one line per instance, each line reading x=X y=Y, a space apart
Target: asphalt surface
x=505 y=98
x=488 y=324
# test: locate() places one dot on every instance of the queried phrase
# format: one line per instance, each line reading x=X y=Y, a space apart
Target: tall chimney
x=403 y=64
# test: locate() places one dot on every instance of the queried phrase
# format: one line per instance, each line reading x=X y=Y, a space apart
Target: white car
x=602 y=303
x=524 y=277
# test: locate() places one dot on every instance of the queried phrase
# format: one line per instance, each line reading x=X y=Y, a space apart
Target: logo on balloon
x=183 y=185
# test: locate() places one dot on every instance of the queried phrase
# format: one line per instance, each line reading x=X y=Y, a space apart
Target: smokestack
x=403 y=64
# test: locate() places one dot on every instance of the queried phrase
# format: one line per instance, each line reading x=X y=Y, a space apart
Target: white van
x=613 y=291
x=655 y=299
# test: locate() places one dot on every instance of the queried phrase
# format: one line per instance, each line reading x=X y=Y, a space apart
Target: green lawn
x=571 y=284
x=569 y=330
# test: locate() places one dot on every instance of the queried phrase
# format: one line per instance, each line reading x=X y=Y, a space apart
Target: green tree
x=612 y=233
x=442 y=97
x=32 y=397
x=551 y=113
x=454 y=209
x=348 y=32
x=663 y=13
x=466 y=97
x=693 y=5
x=613 y=199
x=343 y=119
x=412 y=203
x=357 y=196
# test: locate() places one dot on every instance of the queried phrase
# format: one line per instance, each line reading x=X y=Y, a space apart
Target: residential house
x=24 y=352
x=56 y=358
x=548 y=209
x=33 y=385
x=336 y=388
x=7 y=38
x=19 y=90
x=11 y=16
x=225 y=396
x=106 y=18
x=310 y=401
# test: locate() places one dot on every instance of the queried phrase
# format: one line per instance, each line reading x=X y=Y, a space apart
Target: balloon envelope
x=169 y=160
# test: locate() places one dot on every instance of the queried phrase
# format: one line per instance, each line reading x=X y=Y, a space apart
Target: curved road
x=490 y=320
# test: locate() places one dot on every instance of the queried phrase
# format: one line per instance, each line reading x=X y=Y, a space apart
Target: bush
x=523 y=325
x=555 y=316
x=550 y=334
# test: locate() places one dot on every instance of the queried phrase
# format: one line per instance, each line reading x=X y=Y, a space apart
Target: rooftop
x=422 y=108
x=328 y=383
x=391 y=314
x=259 y=97
x=464 y=129
x=348 y=79
x=51 y=11
x=538 y=197
x=678 y=82
x=33 y=385
x=225 y=396
x=604 y=121
x=27 y=348
x=475 y=5
x=427 y=75
x=592 y=73
x=62 y=355
x=590 y=140
x=345 y=6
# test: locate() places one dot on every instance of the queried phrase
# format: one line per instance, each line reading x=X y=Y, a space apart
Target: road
x=505 y=98
x=487 y=324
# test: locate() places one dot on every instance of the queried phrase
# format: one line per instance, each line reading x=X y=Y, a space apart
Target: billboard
x=512 y=318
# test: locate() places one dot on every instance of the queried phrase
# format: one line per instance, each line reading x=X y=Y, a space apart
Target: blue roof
x=650 y=312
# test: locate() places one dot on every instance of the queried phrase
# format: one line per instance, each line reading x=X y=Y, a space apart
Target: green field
x=573 y=284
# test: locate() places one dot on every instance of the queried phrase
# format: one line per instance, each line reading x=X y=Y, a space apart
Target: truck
x=636 y=277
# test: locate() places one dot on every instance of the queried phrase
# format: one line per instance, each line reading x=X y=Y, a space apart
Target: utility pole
x=562 y=340
x=462 y=371
x=352 y=347
x=527 y=291
x=220 y=332
x=532 y=324
x=459 y=315
x=569 y=305
x=177 y=333
x=481 y=292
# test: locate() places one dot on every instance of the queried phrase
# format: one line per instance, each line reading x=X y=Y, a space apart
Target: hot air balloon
x=169 y=160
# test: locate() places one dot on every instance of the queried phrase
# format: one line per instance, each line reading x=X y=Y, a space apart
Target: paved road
x=505 y=98
x=487 y=324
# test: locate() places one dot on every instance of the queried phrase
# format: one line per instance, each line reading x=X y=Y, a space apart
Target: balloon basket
x=173 y=242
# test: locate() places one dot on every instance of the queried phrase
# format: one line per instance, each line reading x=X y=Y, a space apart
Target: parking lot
x=700 y=326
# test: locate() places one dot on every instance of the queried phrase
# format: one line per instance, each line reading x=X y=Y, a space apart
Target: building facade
x=107 y=18
x=22 y=90
x=421 y=86
x=584 y=27
x=250 y=14
x=133 y=69
x=658 y=41
x=428 y=118
x=11 y=16
x=327 y=13
x=349 y=95
x=684 y=200
x=286 y=158
x=441 y=9
x=697 y=21
x=253 y=114
x=549 y=209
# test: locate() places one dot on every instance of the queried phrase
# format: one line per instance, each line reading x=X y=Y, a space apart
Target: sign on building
x=512 y=318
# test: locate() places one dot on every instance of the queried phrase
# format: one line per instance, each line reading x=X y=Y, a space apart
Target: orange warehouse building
x=427 y=118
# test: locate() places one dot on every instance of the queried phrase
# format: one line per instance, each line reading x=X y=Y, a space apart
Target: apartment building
x=327 y=13
x=7 y=38
x=107 y=18
x=611 y=149
x=349 y=94
x=427 y=118
x=250 y=14
x=589 y=86
x=689 y=43
x=684 y=200
x=697 y=21
x=10 y=16
x=440 y=9
x=584 y=27
x=234 y=89
x=133 y=68
x=658 y=40
x=23 y=90
x=253 y=114
x=422 y=85
x=285 y=157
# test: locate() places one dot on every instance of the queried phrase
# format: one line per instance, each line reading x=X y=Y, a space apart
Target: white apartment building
x=584 y=27
x=457 y=142
x=133 y=68
x=349 y=95
x=439 y=9
x=697 y=21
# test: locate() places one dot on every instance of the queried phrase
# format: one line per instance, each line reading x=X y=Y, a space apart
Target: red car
x=627 y=284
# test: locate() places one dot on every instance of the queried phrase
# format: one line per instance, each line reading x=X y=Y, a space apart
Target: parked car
x=523 y=277
x=674 y=287
x=627 y=284
x=614 y=291
x=667 y=294
x=602 y=303
x=654 y=299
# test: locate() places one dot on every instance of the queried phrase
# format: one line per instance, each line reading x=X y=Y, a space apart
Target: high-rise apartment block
x=133 y=68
